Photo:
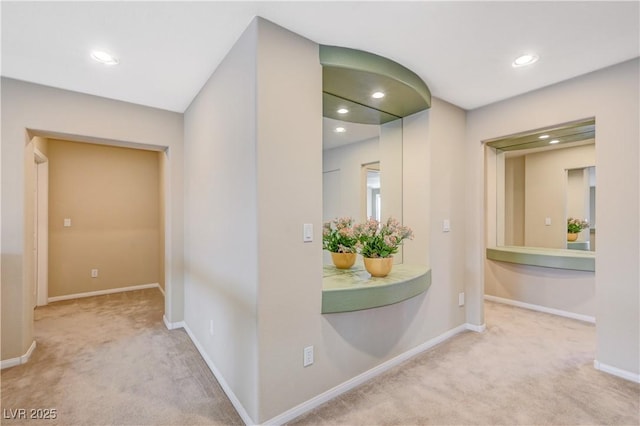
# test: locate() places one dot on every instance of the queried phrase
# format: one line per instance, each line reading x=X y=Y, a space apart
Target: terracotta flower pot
x=343 y=260
x=571 y=237
x=378 y=266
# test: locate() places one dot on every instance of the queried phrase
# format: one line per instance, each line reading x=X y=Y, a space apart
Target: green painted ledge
x=354 y=289
x=577 y=260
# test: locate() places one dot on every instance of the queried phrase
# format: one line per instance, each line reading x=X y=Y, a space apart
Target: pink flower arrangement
x=338 y=236
x=375 y=239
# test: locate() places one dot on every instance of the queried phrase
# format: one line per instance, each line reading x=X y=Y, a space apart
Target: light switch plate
x=307 y=232
x=446 y=225
x=67 y=223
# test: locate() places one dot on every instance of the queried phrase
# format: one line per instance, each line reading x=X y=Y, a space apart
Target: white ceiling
x=167 y=50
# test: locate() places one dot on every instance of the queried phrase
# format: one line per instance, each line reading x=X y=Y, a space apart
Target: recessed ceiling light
x=340 y=130
x=377 y=95
x=104 y=57
x=343 y=111
x=554 y=141
x=524 y=60
x=543 y=137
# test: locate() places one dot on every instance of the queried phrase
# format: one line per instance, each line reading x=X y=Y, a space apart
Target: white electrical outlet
x=461 y=299
x=446 y=225
x=67 y=223
x=94 y=273
x=211 y=327
x=307 y=356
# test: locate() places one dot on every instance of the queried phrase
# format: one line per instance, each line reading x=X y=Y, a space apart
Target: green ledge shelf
x=577 y=260
x=347 y=290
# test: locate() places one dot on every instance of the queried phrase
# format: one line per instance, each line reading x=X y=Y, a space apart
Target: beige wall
x=51 y=112
x=111 y=195
x=611 y=96
x=514 y=191
x=546 y=193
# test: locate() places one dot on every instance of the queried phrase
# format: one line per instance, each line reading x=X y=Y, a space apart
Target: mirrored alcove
x=362 y=171
x=543 y=178
x=365 y=97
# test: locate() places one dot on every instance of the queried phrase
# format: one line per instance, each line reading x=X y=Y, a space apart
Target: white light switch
x=446 y=225
x=307 y=232
x=67 y=222
x=547 y=221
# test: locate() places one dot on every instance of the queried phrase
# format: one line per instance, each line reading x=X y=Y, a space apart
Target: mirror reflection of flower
x=338 y=236
x=575 y=226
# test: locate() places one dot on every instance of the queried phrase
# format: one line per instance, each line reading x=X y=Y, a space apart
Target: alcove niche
x=350 y=77
x=552 y=154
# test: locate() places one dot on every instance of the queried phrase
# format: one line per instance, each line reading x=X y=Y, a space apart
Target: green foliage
x=576 y=225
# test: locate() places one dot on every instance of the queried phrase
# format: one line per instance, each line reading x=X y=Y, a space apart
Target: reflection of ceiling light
x=377 y=95
x=104 y=57
x=343 y=111
x=524 y=60
x=340 y=130
x=554 y=141
x=543 y=137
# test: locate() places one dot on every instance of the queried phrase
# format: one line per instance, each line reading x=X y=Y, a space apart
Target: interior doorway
x=41 y=229
x=142 y=238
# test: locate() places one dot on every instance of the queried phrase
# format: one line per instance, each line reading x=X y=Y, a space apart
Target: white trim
x=42 y=226
x=566 y=314
x=172 y=325
x=161 y=290
x=628 y=375
x=225 y=386
x=477 y=328
x=103 y=292
x=12 y=362
x=361 y=378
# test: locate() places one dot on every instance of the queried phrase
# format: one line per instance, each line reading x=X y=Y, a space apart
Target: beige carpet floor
x=528 y=368
x=109 y=360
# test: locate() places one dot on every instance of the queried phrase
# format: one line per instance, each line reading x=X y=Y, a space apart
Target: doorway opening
x=98 y=218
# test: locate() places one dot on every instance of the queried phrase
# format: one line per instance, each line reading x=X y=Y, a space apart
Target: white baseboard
x=223 y=383
x=540 y=308
x=628 y=375
x=12 y=362
x=172 y=325
x=103 y=292
x=362 y=378
x=161 y=290
x=477 y=328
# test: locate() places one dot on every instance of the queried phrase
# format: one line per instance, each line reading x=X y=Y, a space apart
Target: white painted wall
x=221 y=223
x=62 y=113
x=611 y=96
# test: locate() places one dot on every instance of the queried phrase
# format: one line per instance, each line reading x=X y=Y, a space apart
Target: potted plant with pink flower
x=339 y=239
x=378 y=242
x=574 y=227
